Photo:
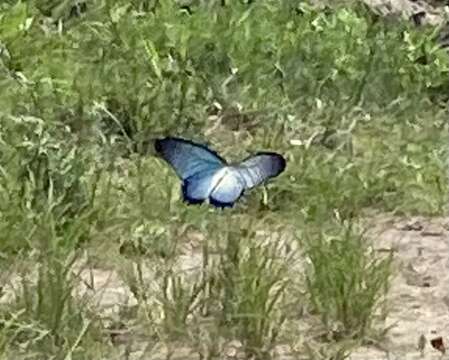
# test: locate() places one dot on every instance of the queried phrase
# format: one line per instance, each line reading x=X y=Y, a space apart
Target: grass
x=345 y=284
x=85 y=87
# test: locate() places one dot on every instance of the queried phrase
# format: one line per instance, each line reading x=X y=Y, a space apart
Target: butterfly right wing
x=259 y=167
x=186 y=157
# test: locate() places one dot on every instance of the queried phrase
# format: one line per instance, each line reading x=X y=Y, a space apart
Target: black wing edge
x=222 y=205
x=189 y=200
x=159 y=146
x=218 y=204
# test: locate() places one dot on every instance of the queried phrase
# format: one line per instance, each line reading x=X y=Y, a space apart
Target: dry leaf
x=438 y=344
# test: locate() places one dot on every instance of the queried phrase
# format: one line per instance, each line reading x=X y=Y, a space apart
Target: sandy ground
x=418 y=299
x=433 y=12
x=419 y=296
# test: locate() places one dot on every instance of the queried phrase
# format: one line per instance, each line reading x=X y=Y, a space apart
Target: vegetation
x=86 y=86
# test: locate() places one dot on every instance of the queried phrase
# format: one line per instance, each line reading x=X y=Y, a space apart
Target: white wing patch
x=227 y=185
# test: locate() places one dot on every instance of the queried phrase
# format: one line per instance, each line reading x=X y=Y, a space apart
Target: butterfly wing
x=257 y=168
x=227 y=188
x=188 y=158
x=198 y=187
x=222 y=187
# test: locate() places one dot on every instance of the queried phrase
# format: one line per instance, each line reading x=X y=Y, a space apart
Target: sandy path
x=419 y=296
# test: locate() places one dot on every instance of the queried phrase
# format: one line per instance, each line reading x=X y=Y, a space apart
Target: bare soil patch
x=419 y=294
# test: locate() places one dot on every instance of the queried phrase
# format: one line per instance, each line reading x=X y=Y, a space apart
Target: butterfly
x=206 y=176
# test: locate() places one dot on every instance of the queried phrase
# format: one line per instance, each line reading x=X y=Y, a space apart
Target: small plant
x=170 y=301
x=180 y=299
x=45 y=175
x=251 y=285
x=45 y=316
x=345 y=281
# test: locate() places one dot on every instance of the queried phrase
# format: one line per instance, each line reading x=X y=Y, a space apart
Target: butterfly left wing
x=197 y=188
x=186 y=157
x=195 y=164
x=257 y=168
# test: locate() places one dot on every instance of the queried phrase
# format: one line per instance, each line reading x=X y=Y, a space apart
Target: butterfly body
x=207 y=176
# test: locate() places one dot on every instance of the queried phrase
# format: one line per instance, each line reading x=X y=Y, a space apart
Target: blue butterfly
x=207 y=176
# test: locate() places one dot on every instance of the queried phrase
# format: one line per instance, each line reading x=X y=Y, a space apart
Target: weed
x=345 y=281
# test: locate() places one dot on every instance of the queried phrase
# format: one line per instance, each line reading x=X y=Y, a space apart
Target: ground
x=418 y=299
x=419 y=293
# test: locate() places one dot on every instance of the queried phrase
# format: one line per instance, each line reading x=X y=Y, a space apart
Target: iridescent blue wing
x=198 y=187
x=188 y=158
x=222 y=187
x=227 y=187
x=257 y=168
